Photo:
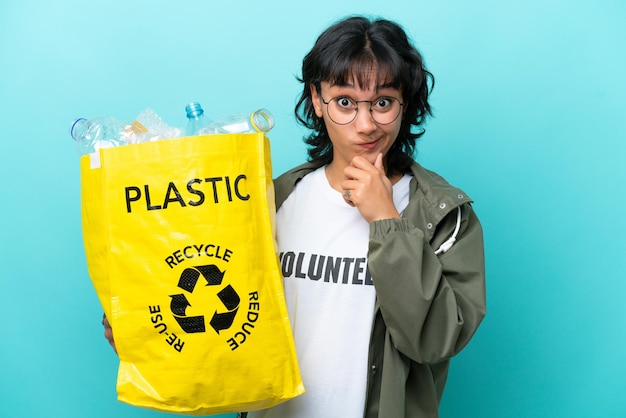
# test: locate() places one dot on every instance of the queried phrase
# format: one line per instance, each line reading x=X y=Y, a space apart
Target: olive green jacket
x=428 y=306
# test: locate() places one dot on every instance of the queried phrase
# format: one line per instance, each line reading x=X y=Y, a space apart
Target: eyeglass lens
x=384 y=110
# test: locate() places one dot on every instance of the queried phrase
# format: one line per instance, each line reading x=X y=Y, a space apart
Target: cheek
x=331 y=129
x=393 y=133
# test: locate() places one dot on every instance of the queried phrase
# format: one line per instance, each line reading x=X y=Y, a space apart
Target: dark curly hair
x=351 y=48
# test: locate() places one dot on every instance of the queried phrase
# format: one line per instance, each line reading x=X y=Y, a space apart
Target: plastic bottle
x=101 y=132
x=258 y=121
x=196 y=119
x=151 y=127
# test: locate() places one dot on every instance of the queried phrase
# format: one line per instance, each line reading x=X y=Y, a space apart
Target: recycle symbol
x=228 y=296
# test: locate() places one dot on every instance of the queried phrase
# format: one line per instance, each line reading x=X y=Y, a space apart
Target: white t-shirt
x=322 y=244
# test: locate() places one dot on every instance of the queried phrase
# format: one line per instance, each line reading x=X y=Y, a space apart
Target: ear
x=316 y=101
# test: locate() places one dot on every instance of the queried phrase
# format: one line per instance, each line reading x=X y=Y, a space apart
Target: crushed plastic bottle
x=152 y=128
x=258 y=121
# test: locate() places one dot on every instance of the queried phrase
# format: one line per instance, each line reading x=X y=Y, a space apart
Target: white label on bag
x=94 y=160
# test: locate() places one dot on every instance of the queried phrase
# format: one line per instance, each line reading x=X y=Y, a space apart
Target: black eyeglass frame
x=357 y=108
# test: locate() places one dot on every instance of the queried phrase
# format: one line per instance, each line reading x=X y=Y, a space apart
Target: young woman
x=382 y=259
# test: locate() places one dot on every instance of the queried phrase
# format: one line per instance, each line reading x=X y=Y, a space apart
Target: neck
x=335 y=176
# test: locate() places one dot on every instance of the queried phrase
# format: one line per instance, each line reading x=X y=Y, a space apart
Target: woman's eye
x=382 y=103
x=344 y=102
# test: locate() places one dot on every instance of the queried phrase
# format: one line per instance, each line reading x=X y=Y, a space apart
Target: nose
x=364 y=122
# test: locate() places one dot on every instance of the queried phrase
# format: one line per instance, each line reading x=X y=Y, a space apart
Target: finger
x=361 y=162
x=348 y=198
x=108 y=332
x=347 y=195
x=359 y=170
x=379 y=163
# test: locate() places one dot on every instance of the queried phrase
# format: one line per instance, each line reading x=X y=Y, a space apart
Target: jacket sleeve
x=431 y=305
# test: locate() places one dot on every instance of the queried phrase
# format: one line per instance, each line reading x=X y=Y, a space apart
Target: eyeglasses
x=343 y=110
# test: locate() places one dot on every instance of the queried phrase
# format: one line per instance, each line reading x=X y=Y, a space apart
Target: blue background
x=530 y=106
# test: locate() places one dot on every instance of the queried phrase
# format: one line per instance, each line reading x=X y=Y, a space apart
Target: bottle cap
x=194 y=110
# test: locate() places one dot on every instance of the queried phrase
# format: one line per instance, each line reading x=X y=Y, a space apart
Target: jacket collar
x=432 y=198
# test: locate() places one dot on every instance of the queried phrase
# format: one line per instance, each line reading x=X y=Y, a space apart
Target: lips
x=369 y=145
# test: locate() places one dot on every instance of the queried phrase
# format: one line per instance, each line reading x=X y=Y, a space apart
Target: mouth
x=369 y=145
